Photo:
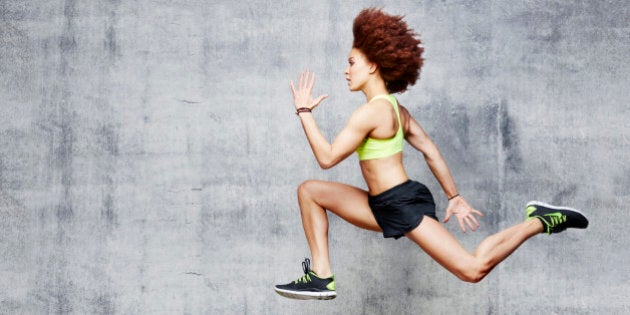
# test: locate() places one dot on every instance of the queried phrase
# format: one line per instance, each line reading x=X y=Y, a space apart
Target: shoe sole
x=306 y=295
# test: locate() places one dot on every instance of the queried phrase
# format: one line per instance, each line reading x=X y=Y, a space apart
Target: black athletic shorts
x=401 y=208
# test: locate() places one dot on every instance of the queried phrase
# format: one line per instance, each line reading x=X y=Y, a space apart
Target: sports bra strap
x=392 y=100
x=385 y=96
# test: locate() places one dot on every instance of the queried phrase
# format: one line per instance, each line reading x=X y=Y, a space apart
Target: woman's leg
x=349 y=203
x=438 y=243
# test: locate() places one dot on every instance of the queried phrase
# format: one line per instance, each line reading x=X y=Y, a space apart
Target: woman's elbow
x=429 y=149
x=431 y=156
x=330 y=159
x=326 y=164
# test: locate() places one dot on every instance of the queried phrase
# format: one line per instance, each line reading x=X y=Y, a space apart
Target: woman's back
x=380 y=154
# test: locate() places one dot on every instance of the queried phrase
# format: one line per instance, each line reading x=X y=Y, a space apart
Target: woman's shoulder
x=370 y=107
x=403 y=110
x=367 y=115
x=380 y=105
x=404 y=117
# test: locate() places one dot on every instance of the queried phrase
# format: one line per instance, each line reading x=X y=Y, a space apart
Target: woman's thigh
x=348 y=202
x=442 y=246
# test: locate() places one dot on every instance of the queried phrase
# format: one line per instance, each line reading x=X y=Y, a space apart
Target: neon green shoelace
x=304 y=279
x=556 y=218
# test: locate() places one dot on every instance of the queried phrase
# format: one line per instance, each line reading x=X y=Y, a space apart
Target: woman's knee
x=304 y=188
x=474 y=272
x=308 y=189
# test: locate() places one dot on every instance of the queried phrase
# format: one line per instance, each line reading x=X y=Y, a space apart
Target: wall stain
x=67 y=41
x=63 y=160
x=103 y=304
x=110 y=41
x=107 y=139
x=622 y=183
x=108 y=211
x=63 y=138
x=509 y=140
x=462 y=126
x=565 y=195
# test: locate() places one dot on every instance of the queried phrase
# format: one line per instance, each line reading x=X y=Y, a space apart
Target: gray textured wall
x=149 y=155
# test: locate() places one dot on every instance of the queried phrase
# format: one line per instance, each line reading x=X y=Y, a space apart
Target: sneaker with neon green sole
x=555 y=219
x=309 y=287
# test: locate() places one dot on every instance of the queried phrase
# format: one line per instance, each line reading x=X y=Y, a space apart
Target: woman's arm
x=357 y=128
x=418 y=138
x=329 y=155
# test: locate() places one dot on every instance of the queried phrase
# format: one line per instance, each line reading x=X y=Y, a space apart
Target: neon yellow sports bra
x=371 y=148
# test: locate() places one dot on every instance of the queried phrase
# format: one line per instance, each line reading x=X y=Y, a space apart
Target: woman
x=386 y=59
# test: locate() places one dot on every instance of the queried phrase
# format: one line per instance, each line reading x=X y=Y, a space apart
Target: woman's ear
x=373 y=68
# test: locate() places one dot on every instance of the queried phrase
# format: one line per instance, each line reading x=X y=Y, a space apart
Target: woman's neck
x=374 y=88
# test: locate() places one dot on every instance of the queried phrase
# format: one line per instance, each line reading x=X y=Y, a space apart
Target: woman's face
x=358 y=70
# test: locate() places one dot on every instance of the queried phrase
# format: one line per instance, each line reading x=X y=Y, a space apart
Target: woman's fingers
x=311 y=83
x=301 y=83
x=293 y=88
x=472 y=223
x=319 y=99
x=448 y=217
x=469 y=220
x=305 y=79
x=302 y=95
x=464 y=213
x=461 y=224
x=473 y=220
x=465 y=221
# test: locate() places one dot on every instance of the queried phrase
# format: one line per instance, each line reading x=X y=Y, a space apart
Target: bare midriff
x=383 y=174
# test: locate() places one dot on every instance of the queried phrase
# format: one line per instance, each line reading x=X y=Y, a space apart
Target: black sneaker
x=309 y=286
x=556 y=219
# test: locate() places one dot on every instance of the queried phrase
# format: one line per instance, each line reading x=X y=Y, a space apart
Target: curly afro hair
x=391 y=45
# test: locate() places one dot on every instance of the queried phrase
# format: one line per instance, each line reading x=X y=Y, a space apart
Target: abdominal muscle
x=383 y=174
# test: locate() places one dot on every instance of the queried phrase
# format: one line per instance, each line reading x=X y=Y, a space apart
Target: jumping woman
x=385 y=59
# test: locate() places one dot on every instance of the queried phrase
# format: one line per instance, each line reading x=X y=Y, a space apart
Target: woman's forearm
x=320 y=146
x=440 y=170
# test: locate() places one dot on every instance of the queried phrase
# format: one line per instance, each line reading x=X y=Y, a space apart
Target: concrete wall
x=149 y=154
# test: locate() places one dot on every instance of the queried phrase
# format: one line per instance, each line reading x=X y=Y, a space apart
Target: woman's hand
x=463 y=212
x=302 y=97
